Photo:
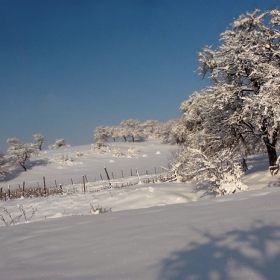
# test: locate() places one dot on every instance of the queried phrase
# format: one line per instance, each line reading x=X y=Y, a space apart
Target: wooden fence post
x=107 y=175
x=44 y=180
x=84 y=181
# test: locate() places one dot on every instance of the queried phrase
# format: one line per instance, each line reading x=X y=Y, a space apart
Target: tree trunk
x=124 y=138
x=272 y=155
x=23 y=166
x=132 y=138
x=270 y=143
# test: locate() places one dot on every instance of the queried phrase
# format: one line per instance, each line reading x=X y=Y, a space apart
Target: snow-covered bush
x=132 y=151
x=100 y=149
x=219 y=171
x=98 y=210
x=62 y=159
x=79 y=154
x=118 y=153
x=59 y=143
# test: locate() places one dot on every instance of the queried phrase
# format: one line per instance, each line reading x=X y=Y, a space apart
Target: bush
x=59 y=143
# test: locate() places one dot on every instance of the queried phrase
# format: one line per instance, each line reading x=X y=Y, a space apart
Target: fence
x=109 y=182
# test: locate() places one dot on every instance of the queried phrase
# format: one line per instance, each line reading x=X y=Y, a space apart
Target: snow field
x=154 y=231
x=233 y=237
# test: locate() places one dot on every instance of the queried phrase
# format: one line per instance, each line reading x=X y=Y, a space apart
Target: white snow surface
x=154 y=230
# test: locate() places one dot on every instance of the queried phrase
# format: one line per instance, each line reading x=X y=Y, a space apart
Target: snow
x=51 y=165
x=152 y=231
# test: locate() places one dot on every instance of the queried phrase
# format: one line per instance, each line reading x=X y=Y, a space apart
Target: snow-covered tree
x=39 y=140
x=179 y=131
x=3 y=166
x=19 y=153
x=59 y=143
x=151 y=128
x=166 y=133
x=132 y=128
x=245 y=75
x=101 y=135
x=204 y=116
x=239 y=113
x=114 y=132
x=122 y=132
x=212 y=154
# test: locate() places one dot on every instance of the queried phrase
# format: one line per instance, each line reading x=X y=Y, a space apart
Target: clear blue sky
x=67 y=66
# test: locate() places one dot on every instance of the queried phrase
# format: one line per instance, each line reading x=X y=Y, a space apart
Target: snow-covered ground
x=149 y=231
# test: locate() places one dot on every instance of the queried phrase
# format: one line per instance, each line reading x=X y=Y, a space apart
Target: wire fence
x=107 y=181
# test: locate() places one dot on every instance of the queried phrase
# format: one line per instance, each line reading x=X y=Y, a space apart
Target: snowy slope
x=154 y=231
x=85 y=161
x=233 y=237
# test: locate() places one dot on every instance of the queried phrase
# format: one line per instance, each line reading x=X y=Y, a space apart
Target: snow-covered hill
x=149 y=231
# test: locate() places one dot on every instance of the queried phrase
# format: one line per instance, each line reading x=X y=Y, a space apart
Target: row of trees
x=169 y=132
x=239 y=113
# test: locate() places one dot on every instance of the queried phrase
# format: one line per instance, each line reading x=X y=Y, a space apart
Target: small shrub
x=117 y=153
x=62 y=159
x=98 y=210
x=79 y=154
x=132 y=151
x=59 y=143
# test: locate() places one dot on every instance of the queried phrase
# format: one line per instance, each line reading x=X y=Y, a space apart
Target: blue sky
x=67 y=66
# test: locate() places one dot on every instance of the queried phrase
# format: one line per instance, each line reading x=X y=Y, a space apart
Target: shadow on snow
x=18 y=170
x=238 y=254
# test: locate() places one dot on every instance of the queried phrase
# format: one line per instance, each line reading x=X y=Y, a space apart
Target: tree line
x=170 y=132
